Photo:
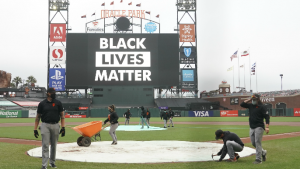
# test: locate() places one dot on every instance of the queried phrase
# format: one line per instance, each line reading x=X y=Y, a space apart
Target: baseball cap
x=255 y=96
x=51 y=90
x=218 y=134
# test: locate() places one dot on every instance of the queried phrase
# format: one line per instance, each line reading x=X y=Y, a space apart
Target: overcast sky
x=270 y=28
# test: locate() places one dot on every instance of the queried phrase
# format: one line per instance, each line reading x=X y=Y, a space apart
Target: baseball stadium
x=125 y=94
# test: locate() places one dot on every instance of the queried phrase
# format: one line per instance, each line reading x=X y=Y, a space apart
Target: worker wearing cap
x=50 y=111
x=232 y=144
x=257 y=114
x=127 y=115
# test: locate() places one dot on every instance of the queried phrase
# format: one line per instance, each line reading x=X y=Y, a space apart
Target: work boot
x=264 y=157
x=237 y=156
x=257 y=162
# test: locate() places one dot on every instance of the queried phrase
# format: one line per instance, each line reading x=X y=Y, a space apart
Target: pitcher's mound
x=139 y=152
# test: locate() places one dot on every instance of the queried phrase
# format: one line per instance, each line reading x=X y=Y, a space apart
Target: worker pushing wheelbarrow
x=87 y=131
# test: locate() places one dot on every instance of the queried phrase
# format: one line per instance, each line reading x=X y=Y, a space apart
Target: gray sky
x=270 y=28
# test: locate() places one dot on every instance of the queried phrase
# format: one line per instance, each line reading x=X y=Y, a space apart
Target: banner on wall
x=32 y=113
x=201 y=114
x=75 y=116
x=296 y=111
x=10 y=113
x=229 y=113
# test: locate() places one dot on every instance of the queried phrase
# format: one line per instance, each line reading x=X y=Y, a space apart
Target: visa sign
x=201 y=114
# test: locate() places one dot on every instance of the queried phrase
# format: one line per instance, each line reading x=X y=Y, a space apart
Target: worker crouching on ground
x=232 y=144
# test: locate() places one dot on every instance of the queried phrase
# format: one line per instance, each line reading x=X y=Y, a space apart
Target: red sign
x=83 y=108
x=229 y=113
x=296 y=111
x=187 y=32
x=75 y=116
x=57 y=32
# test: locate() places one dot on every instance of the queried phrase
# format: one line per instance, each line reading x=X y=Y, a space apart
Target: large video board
x=122 y=59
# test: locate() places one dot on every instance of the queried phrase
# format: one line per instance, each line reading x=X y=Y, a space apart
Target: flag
x=94 y=13
x=234 y=55
x=112 y=3
x=139 y=5
x=229 y=69
x=245 y=53
x=253 y=69
x=241 y=66
x=84 y=16
x=130 y=3
x=121 y=1
x=157 y=16
x=148 y=12
x=103 y=4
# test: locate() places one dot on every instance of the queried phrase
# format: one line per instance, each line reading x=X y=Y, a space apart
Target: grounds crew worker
x=113 y=119
x=148 y=115
x=143 y=116
x=171 y=114
x=232 y=144
x=164 y=115
x=127 y=116
x=257 y=114
x=51 y=112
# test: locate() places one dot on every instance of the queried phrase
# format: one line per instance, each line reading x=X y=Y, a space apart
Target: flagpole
x=256 y=76
x=238 y=67
x=249 y=67
x=233 y=78
x=244 y=77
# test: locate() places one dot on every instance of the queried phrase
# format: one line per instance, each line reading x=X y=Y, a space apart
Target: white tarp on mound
x=138 y=152
x=136 y=128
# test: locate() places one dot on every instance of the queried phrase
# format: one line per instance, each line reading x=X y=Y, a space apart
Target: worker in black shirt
x=232 y=144
x=148 y=115
x=50 y=111
x=257 y=114
x=113 y=119
x=143 y=117
x=171 y=114
x=164 y=115
x=127 y=115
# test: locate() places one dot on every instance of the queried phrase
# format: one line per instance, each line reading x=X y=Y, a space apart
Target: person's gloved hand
x=62 y=131
x=36 y=133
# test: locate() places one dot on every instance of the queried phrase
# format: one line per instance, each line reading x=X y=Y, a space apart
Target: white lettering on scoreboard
x=123 y=59
x=126 y=59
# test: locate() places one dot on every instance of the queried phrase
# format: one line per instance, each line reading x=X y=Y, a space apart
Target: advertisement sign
x=229 y=113
x=163 y=108
x=57 y=78
x=75 y=116
x=95 y=28
x=32 y=113
x=188 y=52
x=57 y=55
x=10 y=113
x=296 y=111
x=177 y=114
x=57 y=32
x=187 y=75
x=187 y=32
x=234 y=101
x=122 y=59
x=150 y=27
x=83 y=108
x=201 y=114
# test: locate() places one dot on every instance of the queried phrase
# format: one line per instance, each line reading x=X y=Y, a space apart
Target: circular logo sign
x=227 y=90
x=221 y=90
x=150 y=27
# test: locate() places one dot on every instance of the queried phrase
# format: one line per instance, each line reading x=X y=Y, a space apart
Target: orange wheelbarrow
x=87 y=131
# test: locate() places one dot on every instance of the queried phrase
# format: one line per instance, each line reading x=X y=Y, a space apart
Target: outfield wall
x=155 y=112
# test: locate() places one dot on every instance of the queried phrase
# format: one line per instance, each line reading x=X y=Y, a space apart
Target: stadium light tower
x=281 y=75
x=55 y=7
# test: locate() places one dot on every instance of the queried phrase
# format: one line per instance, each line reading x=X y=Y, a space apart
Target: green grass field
x=282 y=153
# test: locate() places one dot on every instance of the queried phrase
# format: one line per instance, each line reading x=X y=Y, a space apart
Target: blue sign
x=201 y=113
x=187 y=51
x=187 y=75
x=150 y=27
x=163 y=108
x=57 y=78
